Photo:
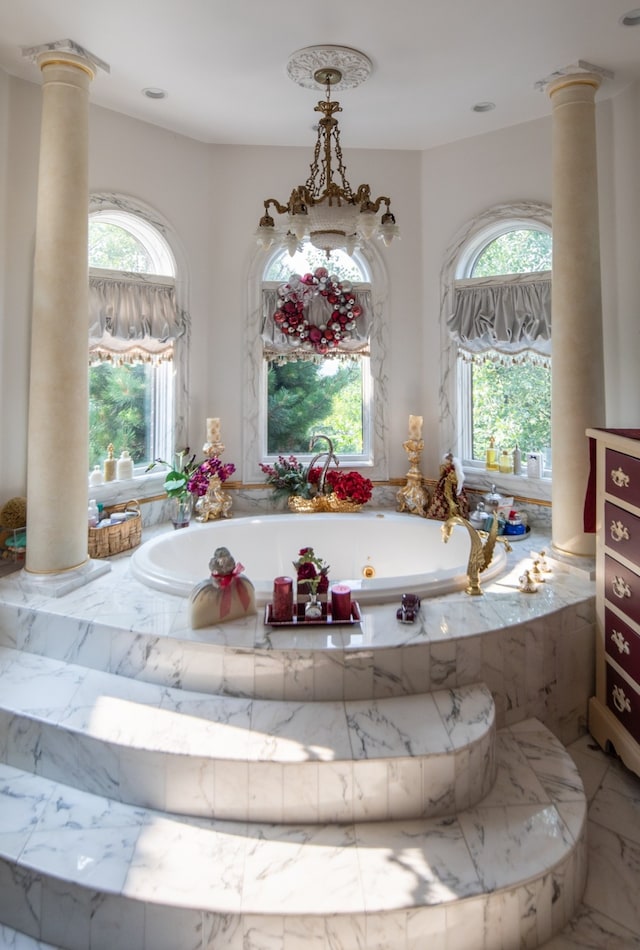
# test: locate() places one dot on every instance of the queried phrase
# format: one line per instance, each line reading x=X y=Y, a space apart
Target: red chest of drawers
x=614 y=712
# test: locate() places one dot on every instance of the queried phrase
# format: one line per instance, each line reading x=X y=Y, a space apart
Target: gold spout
x=480 y=555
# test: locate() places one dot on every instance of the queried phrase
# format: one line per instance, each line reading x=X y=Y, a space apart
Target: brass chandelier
x=327 y=212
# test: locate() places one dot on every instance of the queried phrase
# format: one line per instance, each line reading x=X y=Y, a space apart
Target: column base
x=60 y=583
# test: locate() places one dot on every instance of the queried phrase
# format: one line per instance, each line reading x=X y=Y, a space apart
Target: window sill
x=123 y=490
x=520 y=486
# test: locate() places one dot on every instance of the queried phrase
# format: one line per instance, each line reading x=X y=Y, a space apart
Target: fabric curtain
x=508 y=316
x=132 y=316
x=279 y=346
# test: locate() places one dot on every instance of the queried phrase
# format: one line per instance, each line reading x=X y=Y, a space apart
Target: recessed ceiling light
x=632 y=18
x=483 y=106
x=153 y=93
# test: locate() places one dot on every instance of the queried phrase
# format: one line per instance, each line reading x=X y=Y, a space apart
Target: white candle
x=415 y=427
x=213 y=430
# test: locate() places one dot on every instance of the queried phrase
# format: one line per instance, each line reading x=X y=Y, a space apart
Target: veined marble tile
x=616 y=804
x=612 y=885
x=590 y=930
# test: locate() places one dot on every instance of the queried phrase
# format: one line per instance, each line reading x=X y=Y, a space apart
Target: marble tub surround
x=238 y=759
x=534 y=652
x=124 y=876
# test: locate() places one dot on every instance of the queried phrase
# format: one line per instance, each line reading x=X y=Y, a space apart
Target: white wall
x=212 y=197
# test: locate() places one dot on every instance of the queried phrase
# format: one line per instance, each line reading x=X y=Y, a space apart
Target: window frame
x=456 y=373
x=375 y=441
x=166 y=253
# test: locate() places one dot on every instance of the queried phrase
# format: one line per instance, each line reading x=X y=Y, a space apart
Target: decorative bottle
x=92 y=513
x=109 y=467
x=492 y=462
x=124 y=468
x=517 y=461
x=96 y=477
x=506 y=462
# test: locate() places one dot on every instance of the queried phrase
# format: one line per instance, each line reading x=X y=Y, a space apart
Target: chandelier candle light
x=331 y=214
x=414 y=497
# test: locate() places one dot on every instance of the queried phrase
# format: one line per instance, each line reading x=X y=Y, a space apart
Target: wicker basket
x=115 y=538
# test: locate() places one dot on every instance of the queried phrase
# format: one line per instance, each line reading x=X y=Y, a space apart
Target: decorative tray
x=327 y=621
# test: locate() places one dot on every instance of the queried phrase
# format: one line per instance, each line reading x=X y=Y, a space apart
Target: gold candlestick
x=414 y=497
x=216 y=503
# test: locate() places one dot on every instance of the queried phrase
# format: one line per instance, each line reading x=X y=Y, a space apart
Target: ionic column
x=577 y=394
x=58 y=395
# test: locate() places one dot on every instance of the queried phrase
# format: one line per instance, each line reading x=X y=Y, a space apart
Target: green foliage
x=116 y=249
x=516 y=252
x=308 y=258
x=118 y=411
x=513 y=404
x=304 y=399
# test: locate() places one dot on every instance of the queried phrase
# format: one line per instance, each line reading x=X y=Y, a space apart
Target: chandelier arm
x=280 y=208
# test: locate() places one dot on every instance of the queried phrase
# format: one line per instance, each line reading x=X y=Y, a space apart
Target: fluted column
x=58 y=394
x=577 y=394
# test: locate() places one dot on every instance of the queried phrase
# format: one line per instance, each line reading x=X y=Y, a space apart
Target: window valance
x=279 y=345
x=133 y=313
x=506 y=315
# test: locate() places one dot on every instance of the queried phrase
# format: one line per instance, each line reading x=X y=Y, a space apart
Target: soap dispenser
x=124 y=468
x=109 y=467
x=492 y=460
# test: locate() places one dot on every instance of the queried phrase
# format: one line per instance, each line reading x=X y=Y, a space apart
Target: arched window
x=135 y=324
x=316 y=353
x=499 y=317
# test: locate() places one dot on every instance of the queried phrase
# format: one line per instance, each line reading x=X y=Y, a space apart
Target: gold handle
x=619 y=531
x=620 y=701
x=620 y=478
x=620 y=588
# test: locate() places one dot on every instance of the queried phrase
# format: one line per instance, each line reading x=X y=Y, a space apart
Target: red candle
x=341 y=602
x=282 y=611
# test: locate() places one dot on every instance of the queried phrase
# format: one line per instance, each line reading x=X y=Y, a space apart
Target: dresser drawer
x=622 y=644
x=622 y=532
x=622 y=476
x=624 y=702
x=622 y=588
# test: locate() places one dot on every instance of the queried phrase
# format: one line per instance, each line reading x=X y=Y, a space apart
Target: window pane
x=115 y=248
x=306 y=398
x=512 y=403
x=516 y=252
x=308 y=258
x=123 y=409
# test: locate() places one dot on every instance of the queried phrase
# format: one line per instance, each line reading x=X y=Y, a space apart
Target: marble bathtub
x=400 y=553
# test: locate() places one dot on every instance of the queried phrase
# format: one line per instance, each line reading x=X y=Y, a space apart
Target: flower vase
x=313 y=608
x=181 y=507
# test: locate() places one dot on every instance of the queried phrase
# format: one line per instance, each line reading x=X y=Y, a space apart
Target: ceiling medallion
x=354 y=67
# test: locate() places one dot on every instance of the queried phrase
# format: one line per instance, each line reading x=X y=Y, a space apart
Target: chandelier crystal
x=326 y=210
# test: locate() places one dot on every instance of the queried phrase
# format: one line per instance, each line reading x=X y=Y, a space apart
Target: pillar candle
x=415 y=428
x=341 y=602
x=282 y=609
x=213 y=430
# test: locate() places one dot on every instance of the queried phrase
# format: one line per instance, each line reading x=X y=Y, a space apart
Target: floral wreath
x=294 y=298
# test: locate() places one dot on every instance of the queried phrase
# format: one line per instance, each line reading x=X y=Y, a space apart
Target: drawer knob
x=620 y=478
x=620 y=587
x=620 y=701
x=619 y=531
x=620 y=642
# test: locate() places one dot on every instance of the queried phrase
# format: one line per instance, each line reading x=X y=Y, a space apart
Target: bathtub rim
x=380 y=591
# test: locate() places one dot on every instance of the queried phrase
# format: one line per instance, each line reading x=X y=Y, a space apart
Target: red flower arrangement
x=347 y=486
x=312 y=572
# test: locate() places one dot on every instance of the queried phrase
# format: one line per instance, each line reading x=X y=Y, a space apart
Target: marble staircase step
x=240 y=759
x=79 y=870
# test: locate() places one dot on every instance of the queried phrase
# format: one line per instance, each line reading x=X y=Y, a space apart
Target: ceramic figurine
x=226 y=595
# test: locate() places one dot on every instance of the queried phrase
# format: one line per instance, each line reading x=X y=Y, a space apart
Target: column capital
x=581 y=73
x=68 y=52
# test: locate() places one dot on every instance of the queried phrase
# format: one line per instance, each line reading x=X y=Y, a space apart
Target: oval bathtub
x=403 y=552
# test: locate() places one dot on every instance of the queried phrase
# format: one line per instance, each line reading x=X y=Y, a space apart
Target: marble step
x=238 y=759
x=79 y=870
